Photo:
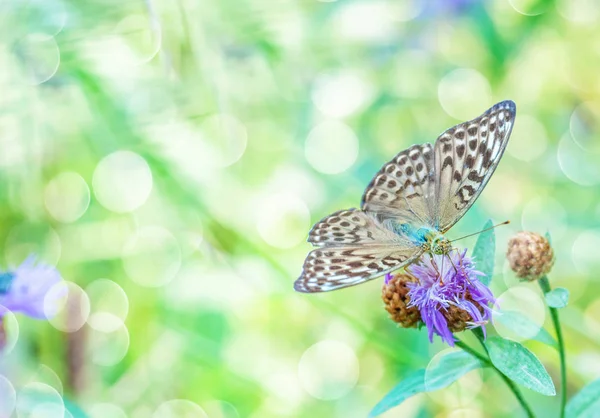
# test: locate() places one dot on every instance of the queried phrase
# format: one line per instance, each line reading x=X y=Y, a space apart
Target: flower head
x=25 y=288
x=395 y=296
x=530 y=255
x=449 y=295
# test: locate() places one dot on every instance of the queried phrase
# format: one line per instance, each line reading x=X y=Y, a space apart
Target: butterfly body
x=408 y=206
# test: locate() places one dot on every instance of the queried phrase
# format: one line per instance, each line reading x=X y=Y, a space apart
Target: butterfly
x=408 y=206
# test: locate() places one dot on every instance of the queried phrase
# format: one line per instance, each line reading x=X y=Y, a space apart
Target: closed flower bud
x=530 y=255
x=395 y=296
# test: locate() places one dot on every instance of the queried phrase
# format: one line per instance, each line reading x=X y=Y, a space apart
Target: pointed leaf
x=484 y=252
x=450 y=367
x=414 y=383
x=586 y=403
x=524 y=327
x=520 y=365
x=557 y=298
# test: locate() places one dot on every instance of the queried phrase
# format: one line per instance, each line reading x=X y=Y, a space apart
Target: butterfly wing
x=404 y=188
x=354 y=247
x=465 y=159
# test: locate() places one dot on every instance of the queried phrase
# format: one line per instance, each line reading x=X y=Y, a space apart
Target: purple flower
x=447 y=286
x=25 y=288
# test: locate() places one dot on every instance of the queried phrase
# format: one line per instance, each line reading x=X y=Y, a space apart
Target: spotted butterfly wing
x=423 y=186
x=360 y=245
x=354 y=246
x=466 y=156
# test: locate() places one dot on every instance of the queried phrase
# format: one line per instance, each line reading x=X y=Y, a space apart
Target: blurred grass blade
x=520 y=365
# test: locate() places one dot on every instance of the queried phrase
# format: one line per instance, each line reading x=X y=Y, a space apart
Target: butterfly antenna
x=486 y=229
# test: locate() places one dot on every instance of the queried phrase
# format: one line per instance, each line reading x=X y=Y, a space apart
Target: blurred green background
x=170 y=156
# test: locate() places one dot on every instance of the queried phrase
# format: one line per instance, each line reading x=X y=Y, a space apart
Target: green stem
x=486 y=360
x=545 y=285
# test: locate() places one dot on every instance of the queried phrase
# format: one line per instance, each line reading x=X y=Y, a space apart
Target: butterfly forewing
x=354 y=247
x=465 y=159
x=349 y=227
x=404 y=188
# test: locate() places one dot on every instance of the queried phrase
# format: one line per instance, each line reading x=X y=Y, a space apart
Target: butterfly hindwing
x=354 y=247
x=466 y=156
x=332 y=268
x=404 y=188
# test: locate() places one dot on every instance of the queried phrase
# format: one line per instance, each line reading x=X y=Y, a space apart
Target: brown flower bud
x=395 y=297
x=458 y=318
x=530 y=255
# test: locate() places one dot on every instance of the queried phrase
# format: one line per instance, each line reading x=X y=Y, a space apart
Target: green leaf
x=414 y=383
x=450 y=367
x=557 y=298
x=524 y=327
x=586 y=403
x=484 y=252
x=520 y=365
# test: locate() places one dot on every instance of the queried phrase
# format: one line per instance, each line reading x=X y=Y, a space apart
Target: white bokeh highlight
x=579 y=11
x=529 y=139
x=143 y=38
x=459 y=394
x=67 y=197
x=585 y=252
x=37 y=400
x=364 y=21
x=67 y=306
x=47 y=376
x=39 y=55
x=179 y=408
x=341 y=94
x=109 y=305
x=331 y=147
x=122 y=181
x=523 y=301
x=464 y=93
x=152 y=256
x=576 y=163
x=283 y=220
x=225 y=139
x=8 y=397
x=527 y=7
x=328 y=370
x=584 y=126
x=542 y=212
x=108 y=348
x=105 y=410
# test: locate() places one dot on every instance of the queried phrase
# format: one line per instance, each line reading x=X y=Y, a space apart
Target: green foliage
x=520 y=365
x=449 y=368
x=524 y=327
x=557 y=298
x=585 y=403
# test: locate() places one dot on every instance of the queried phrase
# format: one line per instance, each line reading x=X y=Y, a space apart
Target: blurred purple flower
x=443 y=291
x=25 y=288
